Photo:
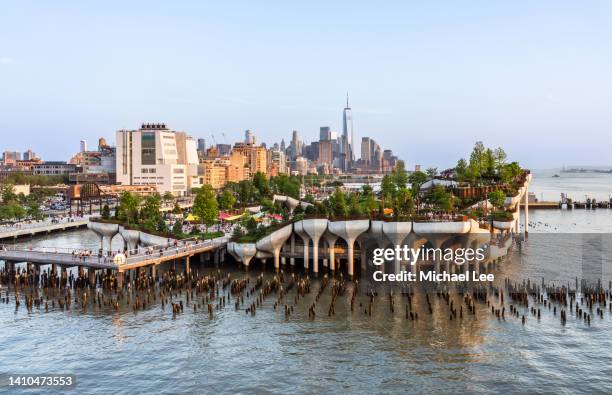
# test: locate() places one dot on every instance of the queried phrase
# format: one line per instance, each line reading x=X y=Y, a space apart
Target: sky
x=426 y=79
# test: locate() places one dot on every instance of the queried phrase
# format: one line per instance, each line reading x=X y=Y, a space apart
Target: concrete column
x=120 y=278
x=331 y=244
x=274 y=242
x=396 y=233
x=314 y=228
x=187 y=265
x=305 y=240
x=81 y=270
x=54 y=268
x=154 y=271
x=92 y=277
x=518 y=218
x=245 y=251
x=526 y=203
x=362 y=258
x=292 y=250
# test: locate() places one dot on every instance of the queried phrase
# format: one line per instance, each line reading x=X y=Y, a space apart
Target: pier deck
x=64 y=258
x=40 y=228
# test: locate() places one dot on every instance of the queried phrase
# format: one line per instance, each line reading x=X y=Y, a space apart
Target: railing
x=85 y=255
x=39 y=224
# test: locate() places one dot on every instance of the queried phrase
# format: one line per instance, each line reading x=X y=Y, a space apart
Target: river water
x=151 y=351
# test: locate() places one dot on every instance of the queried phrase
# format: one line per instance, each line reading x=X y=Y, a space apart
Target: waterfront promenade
x=41 y=227
x=153 y=255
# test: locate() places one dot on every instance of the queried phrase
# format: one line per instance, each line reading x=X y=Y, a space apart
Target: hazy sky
x=426 y=79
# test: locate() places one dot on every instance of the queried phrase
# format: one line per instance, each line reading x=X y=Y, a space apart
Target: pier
x=36 y=228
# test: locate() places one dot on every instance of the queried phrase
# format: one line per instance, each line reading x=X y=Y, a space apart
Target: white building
x=156 y=155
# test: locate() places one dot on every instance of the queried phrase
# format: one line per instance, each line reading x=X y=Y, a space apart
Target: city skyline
x=436 y=77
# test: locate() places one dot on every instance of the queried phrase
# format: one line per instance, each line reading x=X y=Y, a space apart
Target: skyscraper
x=366 y=155
x=324 y=133
x=347 y=133
x=202 y=145
x=249 y=137
x=83 y=145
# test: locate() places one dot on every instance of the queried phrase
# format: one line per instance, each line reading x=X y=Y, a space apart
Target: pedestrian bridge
x=42 y=227
x=153 y=255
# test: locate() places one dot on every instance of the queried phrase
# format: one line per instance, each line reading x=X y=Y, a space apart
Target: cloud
x=5 y=60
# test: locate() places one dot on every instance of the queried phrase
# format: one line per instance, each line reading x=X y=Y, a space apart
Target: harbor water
x=155 y=351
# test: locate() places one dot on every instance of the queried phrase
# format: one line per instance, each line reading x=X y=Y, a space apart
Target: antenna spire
x=347 y=106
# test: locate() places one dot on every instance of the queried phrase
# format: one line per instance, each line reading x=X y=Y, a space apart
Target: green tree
x=497 y=198
x=441 y=199
x=369 y=203
x=260 y=182
x=227 y=200
x=129 y=204
x=400 y=177
x=205 y=206
x=245 y=191
x=489 y=164
x=286 y=185
x=477 y=161
x=461 y=170
x=404 y=204
x=105 y=212
x=354 y=208
x=33 y=210
x=7 y=193
x=177 y=228
x=150 y=213
x=431 y=172
x=417 y=179
x=499 y=157
x=338 y=200
x=387 y=189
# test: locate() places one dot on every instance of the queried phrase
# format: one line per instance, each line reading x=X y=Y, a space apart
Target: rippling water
x=153 y=352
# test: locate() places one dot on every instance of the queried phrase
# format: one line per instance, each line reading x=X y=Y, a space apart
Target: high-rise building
x=326 y=153
x=366 y=152
x=347 y=134
x=301 y=166
x=29 y=155
x=156 y=155
x=256 y=157
x=295 y=147
x=325 y=133
x=202 y=146
x=83 y=146
x=278 y=163
x=249 y=137
x=224 y=149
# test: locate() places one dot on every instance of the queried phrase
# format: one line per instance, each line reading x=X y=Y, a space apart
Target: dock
x=27 y=230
